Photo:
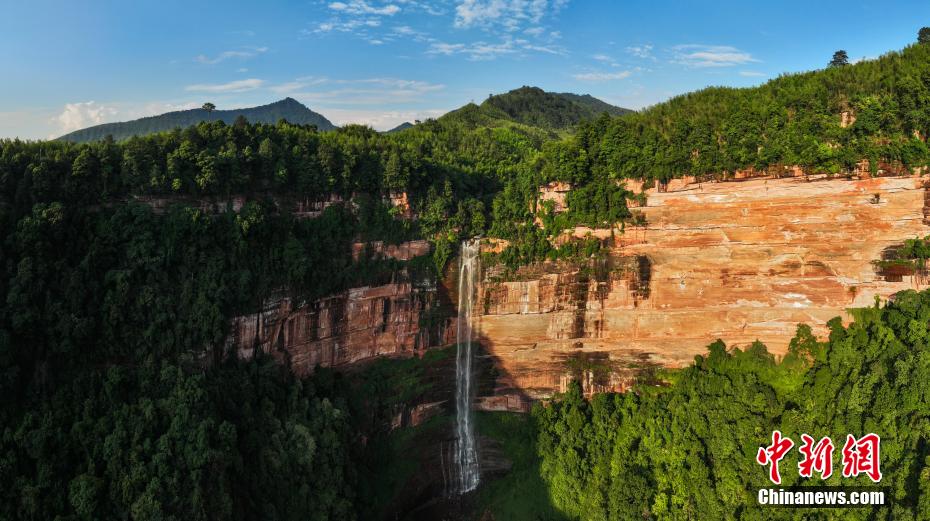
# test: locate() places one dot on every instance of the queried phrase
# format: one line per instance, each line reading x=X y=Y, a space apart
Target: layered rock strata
x=397 y=319
x=741 y=261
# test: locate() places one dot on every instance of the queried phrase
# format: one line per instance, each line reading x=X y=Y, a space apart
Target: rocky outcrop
x=404 y=251
x=741 y=261
x=397 y=319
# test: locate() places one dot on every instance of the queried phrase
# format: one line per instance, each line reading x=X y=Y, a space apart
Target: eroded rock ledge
x=739 y=261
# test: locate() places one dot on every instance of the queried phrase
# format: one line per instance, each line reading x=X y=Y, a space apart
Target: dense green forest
x=118 y=401
x=792 y=120
x=536 y=107
x=687 y=451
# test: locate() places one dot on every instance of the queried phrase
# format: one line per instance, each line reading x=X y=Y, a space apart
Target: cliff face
x=739 y=261
x=742 y=261
x=397 y=319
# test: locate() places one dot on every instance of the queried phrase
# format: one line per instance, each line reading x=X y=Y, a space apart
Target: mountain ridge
x=288 y=108
x=530 y=106
x=535 y=107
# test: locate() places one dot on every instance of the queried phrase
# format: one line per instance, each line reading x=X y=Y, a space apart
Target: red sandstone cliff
x=397 y=319
x=739 y=261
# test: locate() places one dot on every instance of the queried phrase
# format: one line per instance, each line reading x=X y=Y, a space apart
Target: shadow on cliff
x=511 y=484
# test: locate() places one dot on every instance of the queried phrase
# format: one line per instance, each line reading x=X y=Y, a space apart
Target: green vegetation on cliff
x=687 y=451
x=795 y=119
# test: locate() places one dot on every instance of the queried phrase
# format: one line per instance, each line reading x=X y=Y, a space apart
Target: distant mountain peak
x=288 y=108
x=534 y=106
x=403 y=126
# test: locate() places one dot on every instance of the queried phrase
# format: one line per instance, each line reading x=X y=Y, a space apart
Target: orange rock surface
x=354 y=326
x=740 y=261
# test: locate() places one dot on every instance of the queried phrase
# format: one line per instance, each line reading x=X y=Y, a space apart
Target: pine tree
x=840 y=58
x=923 y=36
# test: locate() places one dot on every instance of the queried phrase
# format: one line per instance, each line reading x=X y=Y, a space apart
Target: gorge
x=741 y=260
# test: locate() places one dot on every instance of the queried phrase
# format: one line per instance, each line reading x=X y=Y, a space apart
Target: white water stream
x=466 y=449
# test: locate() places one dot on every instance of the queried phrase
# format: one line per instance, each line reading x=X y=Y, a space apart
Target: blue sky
x=68 y=65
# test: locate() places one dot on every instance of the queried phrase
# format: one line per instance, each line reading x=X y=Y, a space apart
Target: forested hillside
x=688 y=450
x=117 y=393
x=535 y=107
x=597 y=106
x=796 y=119
x=288 y=109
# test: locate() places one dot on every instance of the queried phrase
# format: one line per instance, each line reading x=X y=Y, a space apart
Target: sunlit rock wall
x=741 y=261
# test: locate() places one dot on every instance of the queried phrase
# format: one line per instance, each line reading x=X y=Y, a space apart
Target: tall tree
x=840 y=58
x=923 y=35
x=209 y=107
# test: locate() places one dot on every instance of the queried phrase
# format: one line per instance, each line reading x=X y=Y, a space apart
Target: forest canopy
x=687 y=451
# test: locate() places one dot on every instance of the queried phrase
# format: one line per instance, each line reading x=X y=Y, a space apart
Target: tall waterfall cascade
x=466 y=449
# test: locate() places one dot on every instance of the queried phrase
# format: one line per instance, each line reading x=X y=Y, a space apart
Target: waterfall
x=466 y=450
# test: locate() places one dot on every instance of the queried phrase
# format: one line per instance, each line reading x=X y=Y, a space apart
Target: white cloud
x=640 y=51
x=607 y=59
x=694 y=55
x=482 y=50
x=76 y=116
x=405 y=31
x=427 y=7
x=345 y=26
x=602 y=76
x=477 y=51
x=545 y=48
x=223 y=56
x=363 y=19
x=357 y=17
x=361 y=7
x=509 y=14
x=535 y=31
x=446 y=48
x=298 y=84
x=232 y=86
x=753 y=74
